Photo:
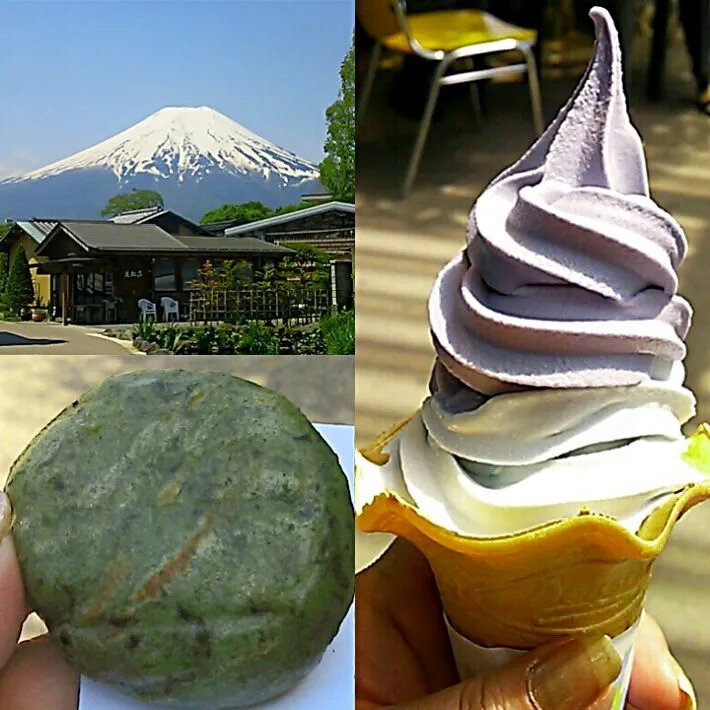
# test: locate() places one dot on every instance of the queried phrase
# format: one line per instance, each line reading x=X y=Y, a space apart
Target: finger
x=570 y=675
x=38 y=678
x=605 y=701
x=402 y=649
x=654 y=677
x=414 y=605
x=12 y=595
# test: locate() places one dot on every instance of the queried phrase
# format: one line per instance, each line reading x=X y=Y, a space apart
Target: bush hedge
x=334 y=335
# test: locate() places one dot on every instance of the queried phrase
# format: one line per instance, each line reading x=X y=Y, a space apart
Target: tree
x=4 y=229
x=19 y=290
x=3 y=277
x=3 y=271
x=247 y=212
x=268 y=278
x=308 y=267
x=337 y=171
x=236 y=273
x=240 y=214
x=128 y=201
x=210 y=287
x=286 y=209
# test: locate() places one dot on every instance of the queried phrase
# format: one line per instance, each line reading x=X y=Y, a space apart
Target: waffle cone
x=578 y=575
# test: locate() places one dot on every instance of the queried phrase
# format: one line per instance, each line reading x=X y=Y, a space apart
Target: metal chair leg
x=535 y=95
x=364 y=96
x=424 y=126
x=475 y=95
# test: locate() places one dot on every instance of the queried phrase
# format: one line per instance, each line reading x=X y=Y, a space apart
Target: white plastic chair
x=170 y=305
x=148 y=308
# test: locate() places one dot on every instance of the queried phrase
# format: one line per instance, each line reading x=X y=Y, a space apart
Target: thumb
x=566 y=675
x=12 y=596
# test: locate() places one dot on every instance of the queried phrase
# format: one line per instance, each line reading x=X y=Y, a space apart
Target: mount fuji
x=196 y=158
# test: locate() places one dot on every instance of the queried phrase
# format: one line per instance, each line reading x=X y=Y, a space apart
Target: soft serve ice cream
x=553 y=425
x=565 y=294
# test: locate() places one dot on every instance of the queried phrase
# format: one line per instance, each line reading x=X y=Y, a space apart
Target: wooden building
x=31 y=233
x=99 y=270
x=28 y=235
x=329 y=227
x=167 y=220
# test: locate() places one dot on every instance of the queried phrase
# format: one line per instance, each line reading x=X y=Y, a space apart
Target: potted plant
x=39 y=311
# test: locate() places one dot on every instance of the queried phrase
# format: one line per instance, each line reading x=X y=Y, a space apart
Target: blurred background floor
x=401 y=245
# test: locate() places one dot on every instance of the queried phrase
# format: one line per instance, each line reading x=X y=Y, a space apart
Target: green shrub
x=3 y=279
x=19 y=290
x=339 y=333
x=300 y=341
x=224 y=339
x=236 y=320
x=172 y=338
x=181 y=343
x=146 y=330
x=166 y=338
x=257 y=339
x=253 y=338
x=311 y=343
x=203 y=339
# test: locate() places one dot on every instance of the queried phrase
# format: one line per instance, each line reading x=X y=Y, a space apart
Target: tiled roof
x=36 y=230
x=334 y=206
x=102 y=236
x=329 y=243
x=110 y=237
x=215 y=227
x=45 y=226
x=134 y=216
x=245 y=245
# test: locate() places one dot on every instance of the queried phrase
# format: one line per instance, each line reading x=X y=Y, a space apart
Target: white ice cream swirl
x=527 y=458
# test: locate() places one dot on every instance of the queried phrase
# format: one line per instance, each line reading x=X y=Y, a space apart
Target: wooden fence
x=292 y=307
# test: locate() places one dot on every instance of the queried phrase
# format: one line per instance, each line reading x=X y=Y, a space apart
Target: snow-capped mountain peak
x=179 y=142
x=197 y=159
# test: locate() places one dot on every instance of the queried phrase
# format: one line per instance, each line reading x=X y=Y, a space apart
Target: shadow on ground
x=401 y=246
x=9 y=339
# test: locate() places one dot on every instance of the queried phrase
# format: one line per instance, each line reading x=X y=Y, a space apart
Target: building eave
x=291 y=216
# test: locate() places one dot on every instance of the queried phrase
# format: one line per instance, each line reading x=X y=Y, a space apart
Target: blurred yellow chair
x=445 y=37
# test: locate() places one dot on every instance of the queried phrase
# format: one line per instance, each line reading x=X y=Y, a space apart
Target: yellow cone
x=585 y=574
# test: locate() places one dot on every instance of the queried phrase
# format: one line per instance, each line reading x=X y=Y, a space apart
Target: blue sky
x=75 y=73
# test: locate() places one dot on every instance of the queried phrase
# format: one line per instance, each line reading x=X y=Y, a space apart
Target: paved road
x=402 y=245
x=55 y=339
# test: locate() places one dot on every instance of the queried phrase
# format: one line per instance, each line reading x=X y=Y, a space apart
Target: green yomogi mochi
x=187 y=537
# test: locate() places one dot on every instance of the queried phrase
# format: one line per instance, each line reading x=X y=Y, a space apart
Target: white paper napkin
x=330 y=685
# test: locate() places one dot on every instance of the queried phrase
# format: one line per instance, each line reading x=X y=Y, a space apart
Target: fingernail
x=687 y=692
x=575 y=674
x=5 y=515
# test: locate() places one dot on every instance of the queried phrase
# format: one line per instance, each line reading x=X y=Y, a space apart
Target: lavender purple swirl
x=569 y=274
